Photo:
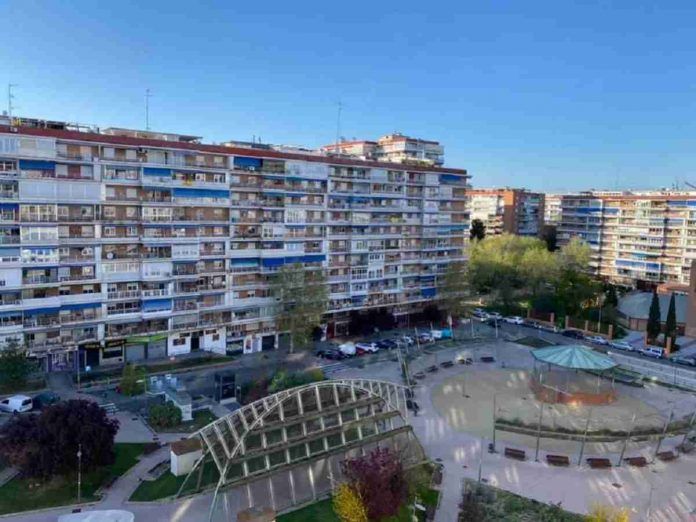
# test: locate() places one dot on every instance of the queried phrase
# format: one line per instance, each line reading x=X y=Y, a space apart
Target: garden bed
x=167 y=485
x=200 y=418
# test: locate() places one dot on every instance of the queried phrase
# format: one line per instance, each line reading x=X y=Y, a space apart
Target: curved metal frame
x=213 y=438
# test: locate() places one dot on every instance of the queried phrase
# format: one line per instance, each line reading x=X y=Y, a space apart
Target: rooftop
x=574 y=357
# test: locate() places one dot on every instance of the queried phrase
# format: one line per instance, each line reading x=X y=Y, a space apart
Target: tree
x=548 y=236
x=477 y=231
x=133 y=380
x=302 y=299
x=379 y=479
x=653 y=327
x=165 y=415
x=453 y=288
x=348 y=505
x=46 y=445
x=575 y=288
x=15 y=367
x=611 y=299
x=671 y=321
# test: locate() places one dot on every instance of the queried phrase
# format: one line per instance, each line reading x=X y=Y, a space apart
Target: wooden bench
x=447 y=364
x=515 y=454
x=465 y=360
x=599 y=462
x=488 y=359
x=419 y=375
x=666 y=456
x=431 y=369
x=558 y=460
x=638 y=462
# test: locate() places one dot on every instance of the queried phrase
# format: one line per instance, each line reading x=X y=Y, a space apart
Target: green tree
x=477 y=230
x=15 y=367
x=453 y=288
x=611 y=299
x=133 y=380
x=165 y=415
x=575 y=288
x=653 y=327
x=671 y=321
x=302 y=298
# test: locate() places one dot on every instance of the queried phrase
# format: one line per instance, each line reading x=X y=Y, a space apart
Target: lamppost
x=79 y=473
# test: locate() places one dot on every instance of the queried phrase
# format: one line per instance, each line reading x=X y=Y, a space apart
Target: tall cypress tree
x=653 y=327
x=671 y=322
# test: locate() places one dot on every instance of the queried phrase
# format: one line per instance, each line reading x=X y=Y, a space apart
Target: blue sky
x=545 y=94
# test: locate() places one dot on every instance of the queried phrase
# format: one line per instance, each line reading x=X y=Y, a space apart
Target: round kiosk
x=572 y=374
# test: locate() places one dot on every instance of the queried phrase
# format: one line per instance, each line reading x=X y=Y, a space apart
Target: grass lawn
x=168 y=485
x=21 y=494
x=321 y=511
x=200 y=418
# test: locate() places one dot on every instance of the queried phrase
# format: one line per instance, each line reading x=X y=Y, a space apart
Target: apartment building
x=121 y=245
x=637 y=238
x=515 y=211
x=552 y=208
x=392 y=148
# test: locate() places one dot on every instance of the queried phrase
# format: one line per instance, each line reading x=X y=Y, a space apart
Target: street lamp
x=79 y=473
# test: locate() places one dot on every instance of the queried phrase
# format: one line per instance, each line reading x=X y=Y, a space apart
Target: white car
x=653 y=351
x=367 y=347
x=347 y=348
x=16 y=404
x=425 y=337
x=622 y=345
x=597 y=339
x=515 y=319
x=495 y=315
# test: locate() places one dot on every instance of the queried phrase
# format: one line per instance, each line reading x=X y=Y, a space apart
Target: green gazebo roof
x=575 y=357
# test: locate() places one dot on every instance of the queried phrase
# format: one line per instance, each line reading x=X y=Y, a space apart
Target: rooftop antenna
x=338 y=125
x=148 y=95
x=10 y=97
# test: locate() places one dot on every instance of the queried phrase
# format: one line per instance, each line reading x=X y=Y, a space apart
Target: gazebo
x=572 y=374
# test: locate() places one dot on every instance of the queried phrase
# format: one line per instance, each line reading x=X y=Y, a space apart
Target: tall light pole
x=79 y=473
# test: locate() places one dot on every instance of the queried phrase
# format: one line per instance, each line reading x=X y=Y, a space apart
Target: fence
x=665 y=373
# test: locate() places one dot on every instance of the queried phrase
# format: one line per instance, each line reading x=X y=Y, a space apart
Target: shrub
x=348 y=505
x=602 y=513
x=165 y=415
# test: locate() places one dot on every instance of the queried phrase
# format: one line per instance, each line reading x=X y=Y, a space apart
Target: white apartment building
x=392 y=148
x=125 y=245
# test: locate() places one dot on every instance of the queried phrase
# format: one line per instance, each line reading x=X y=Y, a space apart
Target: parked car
x=495 y=315
x=549 y=328
x=532 y=323
x=622 y=345
x=684 y=360
x=425 y=337
x=479 y=312
x=386 y=344
x=16 y=404
x=347 y=349
x=331 y=353
x=597 y=339
x=482 y=317
x=573 y=334
x=653 y=351
x=407 y=340
x=366 y=348
x=445 y=333
x=45 y=399
x=515 y=319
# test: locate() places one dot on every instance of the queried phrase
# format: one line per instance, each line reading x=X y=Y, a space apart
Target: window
x=109 y=212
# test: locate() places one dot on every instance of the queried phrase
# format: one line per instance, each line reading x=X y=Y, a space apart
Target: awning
x=37 y=165
x=240 y=161
x=200 y=193
x=153 y=171
x=79 y=306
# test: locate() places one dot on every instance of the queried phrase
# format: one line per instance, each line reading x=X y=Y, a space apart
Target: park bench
x=515 y=454
x=447 y=364
x=666 y=456
x=465 y=360
x=431 y=369
x=558 y=460
x=488 y=359
x=419 y=375
x=638 y=462
x=599 y=462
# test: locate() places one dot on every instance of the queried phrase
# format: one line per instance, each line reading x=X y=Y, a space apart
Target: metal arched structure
x=301 y=424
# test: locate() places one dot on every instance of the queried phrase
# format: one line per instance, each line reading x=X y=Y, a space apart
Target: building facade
x=552 y=208
x=392 y=148
x=515 y=211
x=123 y=245
x=637 y=238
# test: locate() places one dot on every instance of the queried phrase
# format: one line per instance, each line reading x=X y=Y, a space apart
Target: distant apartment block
x=516 y=211
x=392 y=148
x=637 y=238
x=121 y=245
x=552 y=208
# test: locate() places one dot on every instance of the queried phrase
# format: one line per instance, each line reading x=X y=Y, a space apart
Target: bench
x=599 y=462
x=488 y=359
x=431 y=369
x=447 y=364
x=412 y=405
x=558 y=460
x=666 y=456
x=638 y=462
x=515 y=454
x=465 y=360
x=419 y=375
